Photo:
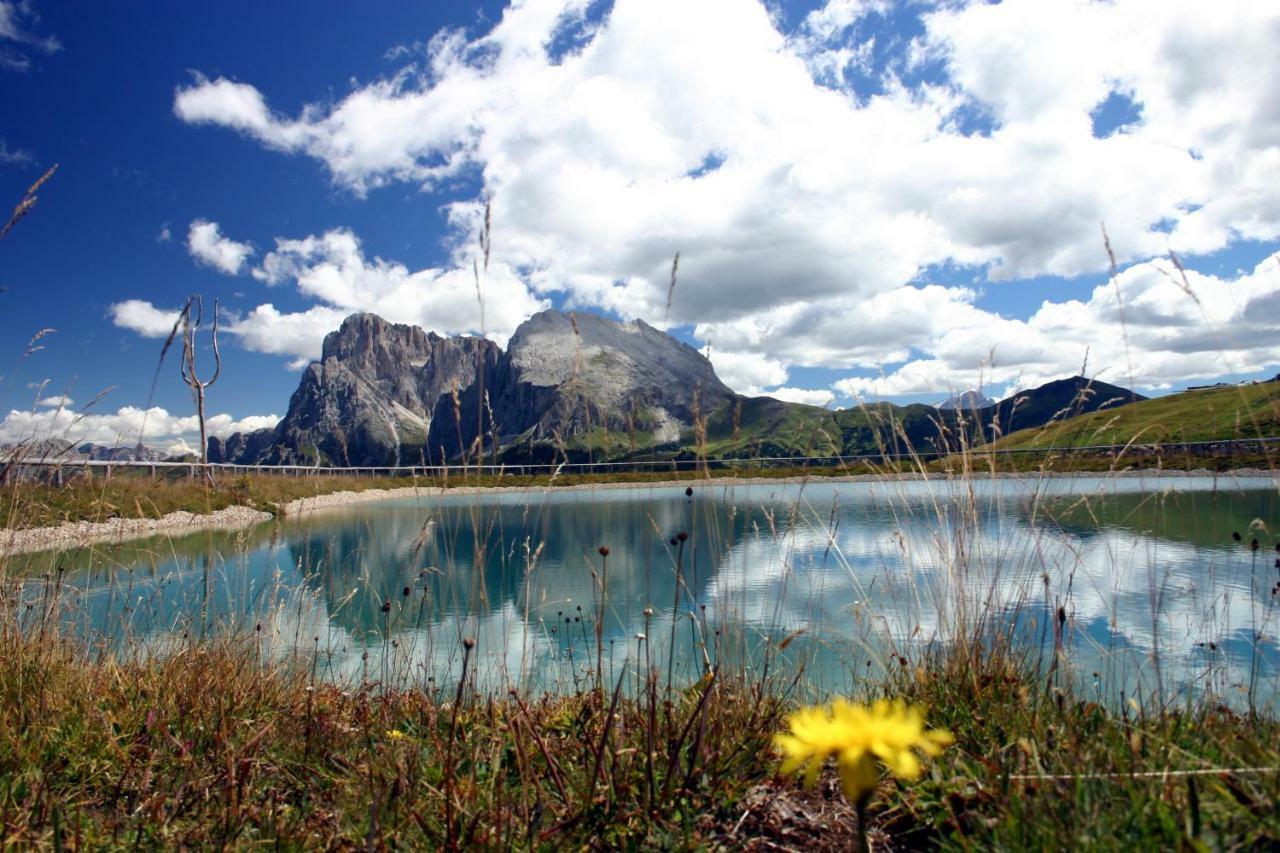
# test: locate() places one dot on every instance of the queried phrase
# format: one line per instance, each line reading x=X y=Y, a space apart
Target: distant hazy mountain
x=966 y=400
x=56 y=449
x=582 y=386
x=102 y=453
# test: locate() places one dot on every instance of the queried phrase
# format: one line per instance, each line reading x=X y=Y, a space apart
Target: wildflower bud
x=673 y=541
x=1253 y=546
x=648 y=611
x=682 y=536
x=406 y=592
x=468 y=643
x=258 y=627
x=688 y=491
x=604 y=550
x=1235 y=534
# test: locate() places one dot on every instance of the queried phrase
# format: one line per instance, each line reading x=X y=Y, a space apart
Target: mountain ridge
x=580 y=386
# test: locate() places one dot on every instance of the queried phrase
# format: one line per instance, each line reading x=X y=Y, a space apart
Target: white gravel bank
x=78 y=533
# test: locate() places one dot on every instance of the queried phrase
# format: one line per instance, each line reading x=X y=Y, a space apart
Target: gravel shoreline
x=79 y=533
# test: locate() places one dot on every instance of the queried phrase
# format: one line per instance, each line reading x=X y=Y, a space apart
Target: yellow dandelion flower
x=857 y=737
x=395 y=734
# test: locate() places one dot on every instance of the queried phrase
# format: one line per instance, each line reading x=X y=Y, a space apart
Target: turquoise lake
x=1137 y=587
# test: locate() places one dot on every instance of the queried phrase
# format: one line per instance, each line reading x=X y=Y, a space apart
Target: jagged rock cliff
x=370 y=398
x=575 y=379
x=384 y=394
x=242 y=446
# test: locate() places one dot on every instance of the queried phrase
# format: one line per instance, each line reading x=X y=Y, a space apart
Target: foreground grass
x=207 y=748
x=135 y=495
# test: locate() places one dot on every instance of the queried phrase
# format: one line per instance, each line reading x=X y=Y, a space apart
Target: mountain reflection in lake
x=1160 y=601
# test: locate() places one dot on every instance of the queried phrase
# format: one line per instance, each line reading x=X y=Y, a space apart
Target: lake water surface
x=1155 y=597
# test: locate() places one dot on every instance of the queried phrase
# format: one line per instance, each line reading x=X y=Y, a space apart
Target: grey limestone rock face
x=390 y=394
x=578 y=377
x=370 y=398
x=242 y=446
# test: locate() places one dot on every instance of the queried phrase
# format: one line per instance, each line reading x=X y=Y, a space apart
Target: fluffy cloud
x=206 y=243
x=804 y=209
x=144 y=318
x=154 y=427
x=746 y=372
x=56 y=401
x=332 y=270
x=1150 y=328
x=811 y=397
x=297 y=335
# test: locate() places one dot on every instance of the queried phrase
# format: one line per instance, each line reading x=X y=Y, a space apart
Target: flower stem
x=861 y=808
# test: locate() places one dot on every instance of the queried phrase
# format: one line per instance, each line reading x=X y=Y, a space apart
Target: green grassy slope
x=1211 y=414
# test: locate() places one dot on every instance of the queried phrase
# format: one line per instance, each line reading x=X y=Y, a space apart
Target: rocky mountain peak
x=371 y=397
x=966 y=401
x=553 y=348
x=578 y=378
x=371 y=345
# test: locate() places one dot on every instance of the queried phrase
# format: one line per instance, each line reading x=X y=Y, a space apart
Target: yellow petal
x=904 y=764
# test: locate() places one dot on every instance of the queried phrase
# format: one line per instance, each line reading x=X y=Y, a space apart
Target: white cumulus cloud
x=206 y=243
x=808 y=396
x=808 y=212
x=154 y=427
x=1150 y=328
x=142 y=317
x=333 y=271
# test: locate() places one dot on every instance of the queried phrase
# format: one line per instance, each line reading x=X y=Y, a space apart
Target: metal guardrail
x=1195 y=448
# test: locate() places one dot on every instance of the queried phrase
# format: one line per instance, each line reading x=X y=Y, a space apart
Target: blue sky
x=870 y=198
